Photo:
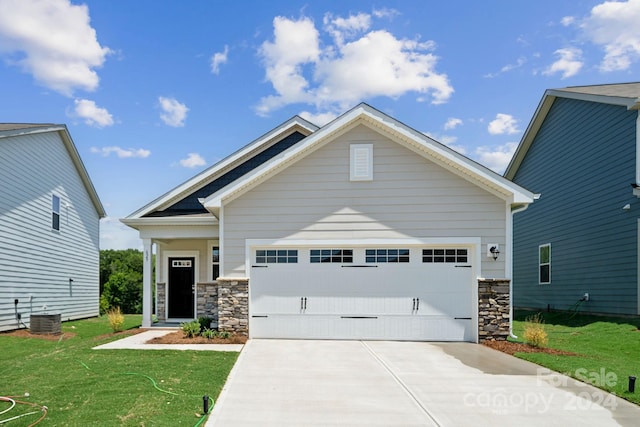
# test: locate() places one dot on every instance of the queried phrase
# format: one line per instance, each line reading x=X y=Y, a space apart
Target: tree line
x=121 y=280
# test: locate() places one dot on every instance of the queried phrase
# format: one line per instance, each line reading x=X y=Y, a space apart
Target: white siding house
x=49 y=227
x=364 y=228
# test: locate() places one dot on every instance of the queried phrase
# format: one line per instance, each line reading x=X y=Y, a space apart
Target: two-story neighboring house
x=577 y=247
x=49 y=227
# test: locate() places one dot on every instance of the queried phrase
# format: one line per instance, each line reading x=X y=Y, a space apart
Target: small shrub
x=224 y=335
x=116 y=319
x=190 y=329
x=209 y=333
x=205 y=322
x=534 y=333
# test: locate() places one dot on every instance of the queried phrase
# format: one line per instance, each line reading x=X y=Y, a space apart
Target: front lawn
x=85 y=387
x=607 y=348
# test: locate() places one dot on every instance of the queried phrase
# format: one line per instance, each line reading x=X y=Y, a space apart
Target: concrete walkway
x=138 y=342
x=374 y=383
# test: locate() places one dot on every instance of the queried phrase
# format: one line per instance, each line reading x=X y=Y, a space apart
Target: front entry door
x=181 y=288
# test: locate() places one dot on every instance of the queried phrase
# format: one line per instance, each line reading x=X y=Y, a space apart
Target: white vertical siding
x=36 y=262
x=409 y=196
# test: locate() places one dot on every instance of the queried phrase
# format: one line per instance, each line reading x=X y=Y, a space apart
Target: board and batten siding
x=36 y=262
x=582 y=161
x=409 y=197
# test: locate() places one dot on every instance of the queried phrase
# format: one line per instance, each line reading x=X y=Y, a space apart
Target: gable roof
x=19 y=129
x=395 y=130
x=623 y=94
x=224 y=166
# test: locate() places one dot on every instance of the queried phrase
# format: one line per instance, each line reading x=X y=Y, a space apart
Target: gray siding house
x=580 y=152
x=362 y=228
x=49 y=227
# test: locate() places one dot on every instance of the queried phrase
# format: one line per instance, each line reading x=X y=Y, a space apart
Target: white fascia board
x=328 y=243
x=169 y=221
x=222 y=166
x=601 y=99
x=31 y=130
x=463 y=165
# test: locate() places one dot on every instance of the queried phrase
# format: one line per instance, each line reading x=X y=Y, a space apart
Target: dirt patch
x=25 y=333
x=516 y=347
x=178 y=337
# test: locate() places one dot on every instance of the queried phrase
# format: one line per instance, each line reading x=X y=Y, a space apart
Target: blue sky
x=153 y=92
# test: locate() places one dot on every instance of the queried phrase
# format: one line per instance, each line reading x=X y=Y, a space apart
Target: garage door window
x=331 y=256
x=280 y=256
x=386 y=255
x=444 y=255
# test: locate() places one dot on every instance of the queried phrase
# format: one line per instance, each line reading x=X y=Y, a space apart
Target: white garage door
x=374 y=292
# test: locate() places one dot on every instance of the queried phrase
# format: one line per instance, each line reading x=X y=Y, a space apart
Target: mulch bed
x=25 y=333
x=178 y=337
x=516 y=347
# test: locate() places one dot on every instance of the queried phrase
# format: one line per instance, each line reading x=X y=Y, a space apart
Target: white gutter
x=513 y=212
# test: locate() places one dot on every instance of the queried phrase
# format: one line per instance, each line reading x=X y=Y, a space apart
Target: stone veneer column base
x=493 y=309
x=161 y=301
x=233 y=305
x=207 y=304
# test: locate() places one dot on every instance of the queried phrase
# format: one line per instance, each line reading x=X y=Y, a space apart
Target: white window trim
x=196 y=277
x=361 y=162
x=210 y=245
x=59 y=213
x=540 y=264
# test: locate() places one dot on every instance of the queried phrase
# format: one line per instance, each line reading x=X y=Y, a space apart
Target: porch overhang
x=175 y=227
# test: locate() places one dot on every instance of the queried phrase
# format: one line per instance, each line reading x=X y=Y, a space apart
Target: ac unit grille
x=45 y=324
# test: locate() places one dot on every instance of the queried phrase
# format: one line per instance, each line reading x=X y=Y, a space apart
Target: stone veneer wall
x=161 y=306
x=493 y=309
x=207 y=304
x=233 y=305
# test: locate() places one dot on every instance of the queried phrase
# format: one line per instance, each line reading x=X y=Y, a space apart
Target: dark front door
x=181 y=287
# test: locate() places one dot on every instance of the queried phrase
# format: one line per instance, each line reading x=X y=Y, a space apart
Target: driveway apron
x=382 y=383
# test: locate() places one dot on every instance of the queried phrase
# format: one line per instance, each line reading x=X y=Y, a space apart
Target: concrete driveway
x=378 y=383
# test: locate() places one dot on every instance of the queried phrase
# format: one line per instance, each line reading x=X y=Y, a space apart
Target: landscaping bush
x=190 y=329
x=534 y=333
x=116 y=319
x=205 y=322
x=209 y=333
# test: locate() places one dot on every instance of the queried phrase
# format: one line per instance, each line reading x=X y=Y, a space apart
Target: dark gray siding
x=583 y=163
x=191 y=205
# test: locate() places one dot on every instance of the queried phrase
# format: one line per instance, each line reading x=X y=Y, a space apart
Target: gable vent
x=361 y=162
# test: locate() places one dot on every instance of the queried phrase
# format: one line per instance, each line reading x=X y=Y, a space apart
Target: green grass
x=608 y=349
x=85 y=387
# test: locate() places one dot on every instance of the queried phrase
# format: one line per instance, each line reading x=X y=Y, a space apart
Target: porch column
x=147 y=271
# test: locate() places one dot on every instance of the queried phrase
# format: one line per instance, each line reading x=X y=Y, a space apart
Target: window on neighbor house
x=55 y=212
x=544 y=263
x=215 y=262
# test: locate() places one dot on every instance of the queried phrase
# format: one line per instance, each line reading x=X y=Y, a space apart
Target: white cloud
x=452 y=123
x=174 y=113
x=496 y=158
x=193 y=160
x=53 y=41
x=116 y=235
x=613 y=25
x=346 y=28
x=92 y=114
x=121 y=152
x=218 y=59
x=569 y=62
x=568 y=20
x=509 y=67
x=503 y=123
x=359 y=64
x=319 y=119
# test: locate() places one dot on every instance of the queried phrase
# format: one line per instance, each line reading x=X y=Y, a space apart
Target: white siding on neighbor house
x=409 y=197
x=36 y=262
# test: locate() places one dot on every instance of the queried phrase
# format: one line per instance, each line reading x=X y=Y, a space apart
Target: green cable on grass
x=152 y=382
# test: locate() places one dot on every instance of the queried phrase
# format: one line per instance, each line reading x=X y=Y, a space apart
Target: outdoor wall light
x=494 y=252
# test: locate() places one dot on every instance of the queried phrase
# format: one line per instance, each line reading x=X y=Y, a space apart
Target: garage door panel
x=405 y=301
